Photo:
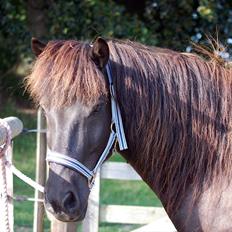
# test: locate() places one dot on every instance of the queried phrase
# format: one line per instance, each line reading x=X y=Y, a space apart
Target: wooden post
x=58 y=226
x=91 y=221
x=10 y=192
x=16 y=127
x=40 y=171
x=6 y=179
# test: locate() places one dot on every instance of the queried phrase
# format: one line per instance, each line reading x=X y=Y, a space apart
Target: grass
x=112 y=192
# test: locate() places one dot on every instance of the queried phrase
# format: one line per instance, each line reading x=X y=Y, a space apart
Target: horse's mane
x=178 y=117
x=176 y=108
x=53 y=80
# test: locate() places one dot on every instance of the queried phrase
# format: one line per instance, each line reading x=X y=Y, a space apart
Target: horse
x=176 y=115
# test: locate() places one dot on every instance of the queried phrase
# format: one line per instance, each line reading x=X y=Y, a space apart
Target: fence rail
x=118 y=171
x=124 y=214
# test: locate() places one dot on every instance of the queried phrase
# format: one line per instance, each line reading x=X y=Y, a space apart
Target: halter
x=119 y=134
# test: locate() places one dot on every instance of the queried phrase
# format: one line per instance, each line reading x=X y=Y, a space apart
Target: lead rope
x=4 y=197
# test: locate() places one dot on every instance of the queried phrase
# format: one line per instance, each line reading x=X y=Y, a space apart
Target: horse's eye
x=97 y=108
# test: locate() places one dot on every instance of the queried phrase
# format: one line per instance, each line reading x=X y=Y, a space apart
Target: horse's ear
x=100 y=52
x=37 y=46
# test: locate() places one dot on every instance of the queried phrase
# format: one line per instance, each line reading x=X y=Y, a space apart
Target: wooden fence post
x=9 y=176
x=9 y=181
x=58 y=226
x=40 y=171
x=16 y=127
x=91 y=221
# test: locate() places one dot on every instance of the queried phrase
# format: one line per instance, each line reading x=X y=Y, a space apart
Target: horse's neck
x=138 y=121
x=170 y=141
x=137 y=164
x=212 y=212
x=201 y=215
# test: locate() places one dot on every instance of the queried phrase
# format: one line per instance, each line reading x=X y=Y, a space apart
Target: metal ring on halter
x=112 y=127
x=92 y=181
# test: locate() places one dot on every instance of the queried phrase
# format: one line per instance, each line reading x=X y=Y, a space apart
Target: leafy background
x=163 y=23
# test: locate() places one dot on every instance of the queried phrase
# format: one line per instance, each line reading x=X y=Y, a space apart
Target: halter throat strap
x=119 y=134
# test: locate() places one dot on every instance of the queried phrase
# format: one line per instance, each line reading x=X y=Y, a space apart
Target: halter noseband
x=119 y=134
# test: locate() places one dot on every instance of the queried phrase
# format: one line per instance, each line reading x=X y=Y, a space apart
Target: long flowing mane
x=63 y=74
x=178 y=116
x=176 y=108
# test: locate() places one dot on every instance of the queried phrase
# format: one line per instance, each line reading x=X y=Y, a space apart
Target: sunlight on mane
x=64 y=73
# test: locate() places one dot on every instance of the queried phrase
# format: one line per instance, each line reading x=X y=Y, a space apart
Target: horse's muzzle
x=66 y=209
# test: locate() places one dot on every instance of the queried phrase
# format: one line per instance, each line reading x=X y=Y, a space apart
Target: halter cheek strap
x=116 y=113
x=74 y=164
x=53 y=156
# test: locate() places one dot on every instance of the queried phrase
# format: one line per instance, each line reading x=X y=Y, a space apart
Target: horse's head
x=77 y=130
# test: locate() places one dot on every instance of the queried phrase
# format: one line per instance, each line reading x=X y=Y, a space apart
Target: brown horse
x=177 y=114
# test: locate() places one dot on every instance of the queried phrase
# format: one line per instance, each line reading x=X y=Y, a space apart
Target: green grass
x=112 y=192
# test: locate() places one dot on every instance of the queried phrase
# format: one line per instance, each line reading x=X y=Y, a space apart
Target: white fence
x=155 y=217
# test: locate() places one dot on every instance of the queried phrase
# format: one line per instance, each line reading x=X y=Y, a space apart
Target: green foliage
x=176 y=23
x=164 y=23
x=64 y=20
x=215 y=17
x=87 y=19
x=13 y=33
x=171 y=21
x=14 y=44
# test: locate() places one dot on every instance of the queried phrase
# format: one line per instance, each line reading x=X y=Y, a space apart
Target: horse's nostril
x=70 y=202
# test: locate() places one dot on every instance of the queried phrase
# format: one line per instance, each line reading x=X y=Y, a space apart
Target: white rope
x=25 y=178
x=26 y=198
x=3 y=163
x=4 y=195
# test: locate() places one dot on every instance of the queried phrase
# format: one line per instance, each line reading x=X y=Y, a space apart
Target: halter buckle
x=91 y=181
